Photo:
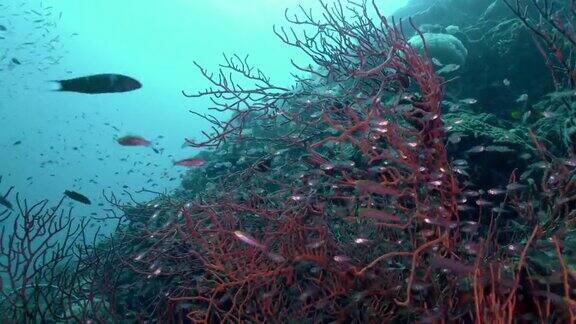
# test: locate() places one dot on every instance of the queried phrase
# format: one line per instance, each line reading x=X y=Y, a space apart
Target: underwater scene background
x=343 y=161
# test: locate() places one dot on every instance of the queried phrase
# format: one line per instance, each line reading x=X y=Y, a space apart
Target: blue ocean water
x=67 y=139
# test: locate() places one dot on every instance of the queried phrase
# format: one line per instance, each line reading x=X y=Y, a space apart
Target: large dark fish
x=78 y=197
x=99 y=83
x=4 y=202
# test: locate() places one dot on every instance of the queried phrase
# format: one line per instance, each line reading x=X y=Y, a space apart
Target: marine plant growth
x=334 y=200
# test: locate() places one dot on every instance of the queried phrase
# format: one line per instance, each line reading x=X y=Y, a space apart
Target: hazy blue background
x=67 y=138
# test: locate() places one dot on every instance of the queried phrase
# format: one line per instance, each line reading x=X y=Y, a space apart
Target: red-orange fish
x=190 y=162
x=131 y=140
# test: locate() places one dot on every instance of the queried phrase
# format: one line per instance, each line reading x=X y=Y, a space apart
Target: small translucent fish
x=248 y=239
x=526 y=115
x=437 y=62
x=515 y=186
x=455 y=138
x=315 y=244
x=327 y=166
x=460 y=162
x=461 y=170
x=513 y=248
x=562 y=94
x=430 y=116
x=522 y=98
x=440 y=222
x=344 y=165
x=482 y=202
x=297 y=197
x=525 y=156
x=190 y=162
x=470 y=227
x=435 y=183
x=540 y=165
x=381 y=122
x=450 y=265
x=496 y=191
x=570 y=162
x=427 y=232
x=449 y=68
x=472 y=248
x=548 y=114
x=454 y=108
x=367 y=186
x=379 y=214
x=361 y=241
x=465 y=208
x=341 y=258
x=377 y=169
x=359 y=296
x=500 y=210
x=308 y=293
x=499 y=149
x=469 y=101
x=452 y=29
x=470 y=193
x=276 y=257
x=477 y=149
x=132 y=140
x=403 y=108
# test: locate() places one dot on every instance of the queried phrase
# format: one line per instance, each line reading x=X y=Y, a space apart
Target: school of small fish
x=30 y=42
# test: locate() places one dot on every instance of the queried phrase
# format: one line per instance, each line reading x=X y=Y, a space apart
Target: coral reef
x=365 y=193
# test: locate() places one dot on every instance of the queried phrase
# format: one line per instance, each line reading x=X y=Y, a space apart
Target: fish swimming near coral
x=99 y=83
x=78 y=197
x=190 y=162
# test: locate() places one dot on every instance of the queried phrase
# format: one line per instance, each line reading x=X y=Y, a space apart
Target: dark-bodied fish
x=4 y=202
x=16 y=61
x=77 y=196
x=3 y=28
x=99 y=83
